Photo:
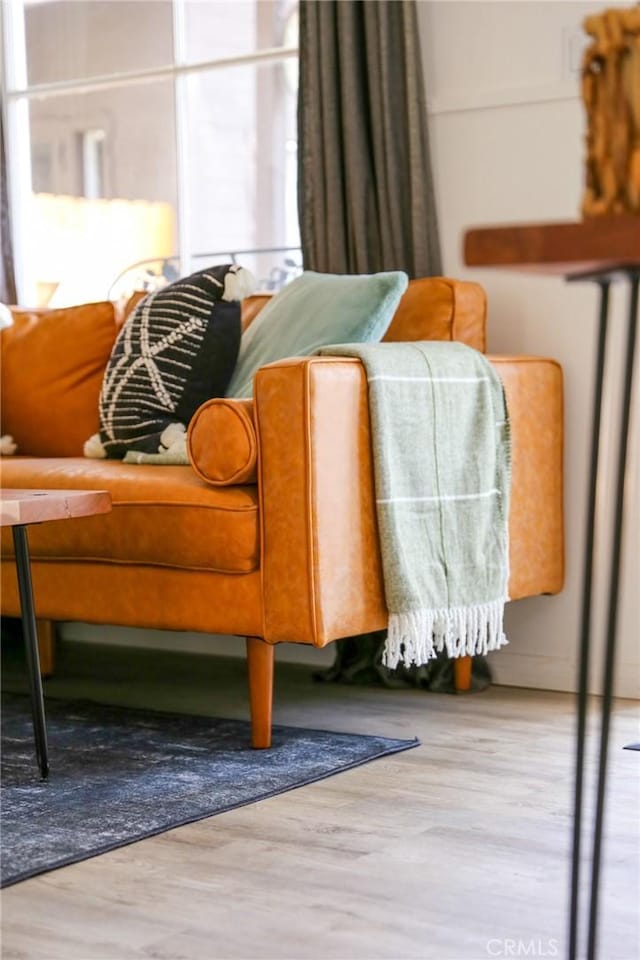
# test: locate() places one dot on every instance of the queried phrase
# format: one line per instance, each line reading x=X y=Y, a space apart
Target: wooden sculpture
x=611 y=94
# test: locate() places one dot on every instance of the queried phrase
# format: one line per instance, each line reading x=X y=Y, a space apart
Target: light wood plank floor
x=457 y=850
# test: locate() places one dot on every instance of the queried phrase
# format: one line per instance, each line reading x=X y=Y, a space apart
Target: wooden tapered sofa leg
x=46 y=632
x=462 y=674
x=260 y=656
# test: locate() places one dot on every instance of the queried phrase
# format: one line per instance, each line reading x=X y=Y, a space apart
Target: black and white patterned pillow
x=177 y=349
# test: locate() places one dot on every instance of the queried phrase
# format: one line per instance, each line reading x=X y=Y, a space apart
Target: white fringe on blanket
x=417 y=636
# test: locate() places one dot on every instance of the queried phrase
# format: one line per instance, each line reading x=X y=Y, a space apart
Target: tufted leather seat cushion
x=158 y=517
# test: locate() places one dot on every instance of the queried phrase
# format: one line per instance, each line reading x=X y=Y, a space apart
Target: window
x=149 y=132
x=92 y=148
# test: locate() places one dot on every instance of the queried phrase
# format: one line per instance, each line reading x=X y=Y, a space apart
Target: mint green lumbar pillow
x=313 y=311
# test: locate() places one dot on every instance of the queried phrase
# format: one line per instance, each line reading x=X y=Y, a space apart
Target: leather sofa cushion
x=163 y=516
x=438 y=308
x=222 y=443
x=132 y=303
x=53 y=362
x=251 y=307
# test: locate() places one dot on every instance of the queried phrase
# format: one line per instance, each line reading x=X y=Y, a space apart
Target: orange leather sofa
x=271 y=534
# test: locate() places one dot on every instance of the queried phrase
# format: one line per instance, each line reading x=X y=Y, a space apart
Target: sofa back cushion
x=53 y=362
x=251 y=307
x=432 y=308
x=437 y=308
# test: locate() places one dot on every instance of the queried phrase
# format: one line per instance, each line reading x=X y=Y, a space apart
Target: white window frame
x=92 y=162
x=18 y=93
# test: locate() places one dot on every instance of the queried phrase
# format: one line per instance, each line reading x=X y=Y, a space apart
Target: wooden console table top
x=568 y=249
x=20 y=507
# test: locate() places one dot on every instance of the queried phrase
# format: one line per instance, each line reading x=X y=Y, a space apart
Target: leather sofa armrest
x=534 y=390
x=320 y=560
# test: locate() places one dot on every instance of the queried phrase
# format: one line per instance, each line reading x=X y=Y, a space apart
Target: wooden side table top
x=568 y=249
x=20 y=507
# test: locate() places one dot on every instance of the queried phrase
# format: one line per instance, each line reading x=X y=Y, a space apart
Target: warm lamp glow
x=77 y=247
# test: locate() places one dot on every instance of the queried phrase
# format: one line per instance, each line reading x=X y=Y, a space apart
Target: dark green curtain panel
x=365 y=188
x=7 y=279
x=366 y=203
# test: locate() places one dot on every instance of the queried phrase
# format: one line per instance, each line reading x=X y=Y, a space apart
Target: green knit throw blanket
x=441 y=458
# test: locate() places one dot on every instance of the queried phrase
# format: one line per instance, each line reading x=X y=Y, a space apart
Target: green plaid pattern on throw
x=441 y=456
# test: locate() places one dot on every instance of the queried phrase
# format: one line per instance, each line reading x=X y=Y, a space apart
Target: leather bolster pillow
x=222 y=442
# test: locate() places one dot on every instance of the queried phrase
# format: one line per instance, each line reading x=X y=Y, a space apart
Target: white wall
x=507 y=128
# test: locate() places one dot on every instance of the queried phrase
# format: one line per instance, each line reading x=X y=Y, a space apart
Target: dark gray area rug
x=119 y=775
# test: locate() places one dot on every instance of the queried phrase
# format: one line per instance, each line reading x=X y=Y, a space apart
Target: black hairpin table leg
x=600 y=249
x=612 y=615
x=31 y=646
x=612 y=618
x=585 y=626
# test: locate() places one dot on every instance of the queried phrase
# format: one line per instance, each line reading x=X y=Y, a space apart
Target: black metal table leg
x=585 y=627
x=31 y=646
x=612 y=618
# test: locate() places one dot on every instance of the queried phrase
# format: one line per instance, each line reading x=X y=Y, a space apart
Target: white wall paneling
x=507 y=129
